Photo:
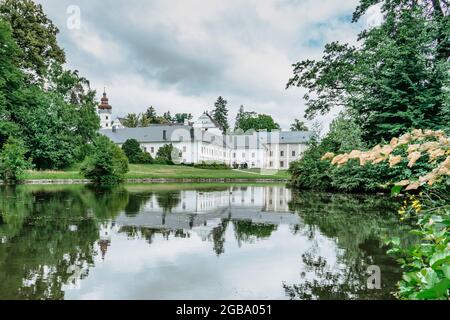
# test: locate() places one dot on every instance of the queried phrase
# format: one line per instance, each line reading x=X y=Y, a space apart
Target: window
x=106 y=117
x=106 y=124
x=145 y=149
x=234 y=155
x=271 y=153
x=282 y=153
x=281 y=164
x=293 y=153
x=184 y=148
x=243 y=155
x=270 y=164
x=152 y=149
x=253 y=155
x=253 y=164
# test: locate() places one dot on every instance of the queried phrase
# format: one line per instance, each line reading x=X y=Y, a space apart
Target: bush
x=212 y=165
x=108 y=164
x=134 y=153
x=165 y=153
x=12 y=160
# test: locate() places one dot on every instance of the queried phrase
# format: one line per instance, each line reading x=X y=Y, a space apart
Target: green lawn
x=165 y=171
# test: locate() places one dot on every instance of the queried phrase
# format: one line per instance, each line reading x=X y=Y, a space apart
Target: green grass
x=158 y=171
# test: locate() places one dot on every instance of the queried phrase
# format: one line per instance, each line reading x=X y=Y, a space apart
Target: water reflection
x=191 y=241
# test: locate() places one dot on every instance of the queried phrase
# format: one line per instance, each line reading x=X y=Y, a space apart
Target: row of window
x=293 y=153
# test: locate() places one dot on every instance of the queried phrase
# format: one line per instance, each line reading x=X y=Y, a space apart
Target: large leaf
x=439 y=258
x=439 y=290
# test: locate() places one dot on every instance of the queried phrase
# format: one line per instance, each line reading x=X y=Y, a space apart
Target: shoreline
x=146 y=180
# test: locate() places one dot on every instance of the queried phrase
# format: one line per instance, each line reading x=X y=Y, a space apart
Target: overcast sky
x=180 y=55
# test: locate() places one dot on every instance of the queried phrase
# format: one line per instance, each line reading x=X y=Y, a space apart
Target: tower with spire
x=105 y=112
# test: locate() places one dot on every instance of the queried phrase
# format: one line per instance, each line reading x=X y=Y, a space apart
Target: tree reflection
x=50 y=236
x=358 y=225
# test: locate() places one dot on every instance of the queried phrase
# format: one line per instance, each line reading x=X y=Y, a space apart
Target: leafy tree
x=131 y=120
x=394 y=80
x=10 y=81
x=220 y=113
x=310 y=172
x=35 y=35
x=144 y=121
x=134 y=153
x=108 y=164
x=257 y=122
x=180 y=117
x=298 y=126
x=168 y=116
x=12 y=160
x=164 y=154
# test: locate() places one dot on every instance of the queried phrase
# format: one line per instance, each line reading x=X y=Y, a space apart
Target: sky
x=180 y=55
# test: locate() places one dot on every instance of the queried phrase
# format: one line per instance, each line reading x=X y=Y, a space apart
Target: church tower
x=104 y=112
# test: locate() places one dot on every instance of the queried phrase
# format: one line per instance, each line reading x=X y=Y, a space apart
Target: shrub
x=166 y=154
x=12 y=160
x=212 y=165
x=134 y=153
x=108 y=163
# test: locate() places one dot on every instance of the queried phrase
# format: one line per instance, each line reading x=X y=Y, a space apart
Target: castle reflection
x=202 y=211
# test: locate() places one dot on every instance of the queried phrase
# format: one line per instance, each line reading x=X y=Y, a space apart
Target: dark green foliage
x=181 y=117
x=310 y=172
x=134 y=153
x=165 y=154
x=249 y=120
x=12 y=160
x=35 y=35
x=107 y=164
x=298 y=126
x=212 y=165
x=393 y=82
x=56 y=121
x=220 y=113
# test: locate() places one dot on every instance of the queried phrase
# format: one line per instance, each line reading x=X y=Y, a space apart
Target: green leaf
x=439 y=258
x=439 y=290
x=395 y=190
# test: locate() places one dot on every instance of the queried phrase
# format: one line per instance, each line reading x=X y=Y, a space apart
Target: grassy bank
x=155 y=171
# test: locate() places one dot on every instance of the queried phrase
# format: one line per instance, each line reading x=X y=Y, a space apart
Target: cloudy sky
x=180 y=55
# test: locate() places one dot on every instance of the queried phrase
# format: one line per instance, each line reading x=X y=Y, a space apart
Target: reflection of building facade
x=259 y=204
x=202 y=140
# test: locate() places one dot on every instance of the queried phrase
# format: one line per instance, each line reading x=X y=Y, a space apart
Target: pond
x=193 y=241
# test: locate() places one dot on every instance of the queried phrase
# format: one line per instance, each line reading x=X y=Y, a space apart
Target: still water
x=199 y=241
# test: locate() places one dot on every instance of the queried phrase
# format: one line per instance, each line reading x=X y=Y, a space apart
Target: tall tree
x=168 y=116
x=257 y=122
x=131 y=120
x=220 y=113
x=239 y=116
x=394 y=80
x=298 y=126
x=180 y=117
x=35 y=34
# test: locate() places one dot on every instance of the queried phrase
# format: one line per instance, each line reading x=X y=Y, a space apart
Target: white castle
x=203 y=141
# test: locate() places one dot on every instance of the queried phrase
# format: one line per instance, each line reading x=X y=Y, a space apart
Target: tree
x=10 y=81
x=220 y=113
x=151 y=113
x=108 y=163
x=164 y=154
x=181 y=117
x=298 y=126
x=394 y=80
x=131 y=120
x=168 y=117
x=239 y=116
x=35 y=35
x=12 y=160
x=257 y=122
x=134 y=153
